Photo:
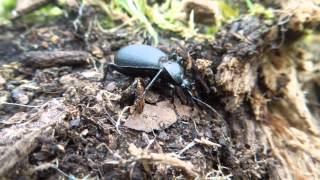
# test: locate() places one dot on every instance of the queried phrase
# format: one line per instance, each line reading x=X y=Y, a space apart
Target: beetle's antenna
x=205 y=104
x=152 y=81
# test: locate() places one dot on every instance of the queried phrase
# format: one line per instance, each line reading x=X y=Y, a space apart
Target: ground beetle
x=147 y=61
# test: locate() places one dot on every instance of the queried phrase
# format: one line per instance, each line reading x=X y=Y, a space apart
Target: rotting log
x=19 y=139
x=256 y=80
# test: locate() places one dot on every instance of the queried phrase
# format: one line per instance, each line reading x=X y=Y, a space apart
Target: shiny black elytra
x=147 y=61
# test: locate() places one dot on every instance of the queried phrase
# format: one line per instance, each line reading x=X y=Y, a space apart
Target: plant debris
x=44 y=59
x=153 y=117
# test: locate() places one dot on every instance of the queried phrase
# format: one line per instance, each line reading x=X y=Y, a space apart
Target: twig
x=150 y=143
x=168 y=159
x=207 y=142
x=198 y=141
x=188 y=146
x=112 y=30
x=77 y=21
x=22 y=105
x=218 y=174
x=118 y=123
x=32 y=6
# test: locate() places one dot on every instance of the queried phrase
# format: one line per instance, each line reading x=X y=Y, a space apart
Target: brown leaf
x=156 y=117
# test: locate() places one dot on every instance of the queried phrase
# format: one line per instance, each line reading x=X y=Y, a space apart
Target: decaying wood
x=44 y=59
x=17 y=152
x=303 y=13
x=20 y=139
x=259 y=88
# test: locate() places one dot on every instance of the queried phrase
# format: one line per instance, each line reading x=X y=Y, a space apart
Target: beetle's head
x=175 y=57
x=186 y=84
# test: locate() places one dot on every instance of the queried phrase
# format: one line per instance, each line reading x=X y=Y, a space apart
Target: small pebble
x=163 y=136
x=92 y=75
x=20 y=96
x=111 y=86
x=2 y=82
x=4 y=97
x=75 y=122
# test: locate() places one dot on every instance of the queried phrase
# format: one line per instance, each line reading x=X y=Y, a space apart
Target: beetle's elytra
x=139 y=56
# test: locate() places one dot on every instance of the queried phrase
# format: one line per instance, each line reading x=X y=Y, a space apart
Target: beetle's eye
x=173 y=56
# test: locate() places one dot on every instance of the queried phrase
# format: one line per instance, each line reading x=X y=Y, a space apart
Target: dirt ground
x=65 y=116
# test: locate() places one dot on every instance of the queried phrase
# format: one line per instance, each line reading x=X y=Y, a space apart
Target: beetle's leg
x=152 y=81
x=140 y=99
x=205 y=104
x=107 y=68
x=111 y=66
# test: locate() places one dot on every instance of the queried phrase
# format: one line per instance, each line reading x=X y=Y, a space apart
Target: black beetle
x=147 y=61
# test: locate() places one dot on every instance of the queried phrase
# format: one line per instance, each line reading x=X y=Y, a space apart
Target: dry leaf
x=153 y=117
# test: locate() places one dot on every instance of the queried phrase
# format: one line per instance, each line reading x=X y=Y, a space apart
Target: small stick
x=118 y=123
x=22 y=105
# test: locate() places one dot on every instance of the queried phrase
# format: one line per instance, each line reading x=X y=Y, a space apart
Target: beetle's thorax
x=174 y=70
